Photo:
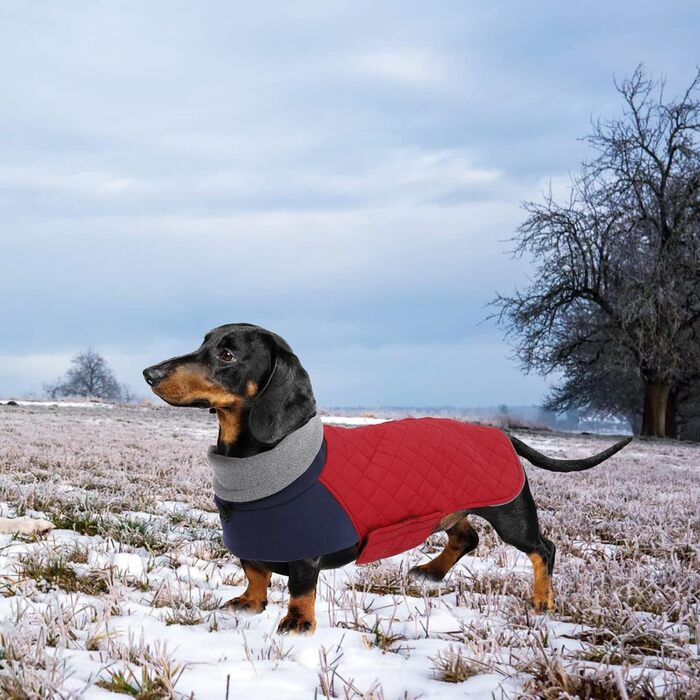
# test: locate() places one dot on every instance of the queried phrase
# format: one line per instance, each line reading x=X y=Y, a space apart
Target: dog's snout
x=154 y=375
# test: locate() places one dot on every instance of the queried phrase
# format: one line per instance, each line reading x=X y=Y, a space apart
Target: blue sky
x=344 y=173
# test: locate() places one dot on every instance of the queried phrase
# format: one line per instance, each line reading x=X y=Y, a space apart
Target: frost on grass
x=125 y=596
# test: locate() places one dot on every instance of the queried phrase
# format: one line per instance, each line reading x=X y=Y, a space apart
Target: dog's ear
x=286 y=401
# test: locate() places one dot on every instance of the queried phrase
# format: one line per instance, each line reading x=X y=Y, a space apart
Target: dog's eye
x=226 y=356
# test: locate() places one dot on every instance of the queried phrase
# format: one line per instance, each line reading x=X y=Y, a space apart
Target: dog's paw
x=425 y=573
x=29 y=526
x=544 y=605
x=245 y=604
x=296 y=624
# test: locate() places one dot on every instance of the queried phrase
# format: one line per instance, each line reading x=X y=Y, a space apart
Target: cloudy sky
x=345 y=173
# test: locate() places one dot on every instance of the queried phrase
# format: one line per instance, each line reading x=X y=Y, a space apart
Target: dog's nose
x=154 y=375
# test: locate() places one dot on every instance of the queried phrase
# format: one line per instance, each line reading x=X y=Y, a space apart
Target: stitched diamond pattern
x=401 y=470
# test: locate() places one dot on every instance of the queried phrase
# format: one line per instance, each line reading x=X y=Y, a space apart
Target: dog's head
x=242 y=368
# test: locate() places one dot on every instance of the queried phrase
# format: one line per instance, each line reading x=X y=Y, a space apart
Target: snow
x=127 y=564
x=352 y=420
x=59 y=404
x=377 y=636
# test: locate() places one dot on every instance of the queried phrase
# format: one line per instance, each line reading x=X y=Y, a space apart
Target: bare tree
x=618 y=264
x=127 y=395
x=88 y=376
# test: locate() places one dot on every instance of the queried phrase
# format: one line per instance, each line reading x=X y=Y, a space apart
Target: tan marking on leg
x=254 y=599
x=542 y=595
x=458 y=537
x=301 y=615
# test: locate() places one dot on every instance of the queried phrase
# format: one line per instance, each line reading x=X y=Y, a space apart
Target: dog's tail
x=565 y=465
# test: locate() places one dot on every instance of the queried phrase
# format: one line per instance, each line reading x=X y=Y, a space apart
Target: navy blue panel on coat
x=302 y=520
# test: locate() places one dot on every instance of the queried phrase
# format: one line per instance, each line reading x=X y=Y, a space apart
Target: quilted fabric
x=396 y=480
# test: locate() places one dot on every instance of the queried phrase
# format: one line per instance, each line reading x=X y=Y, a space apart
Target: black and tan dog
x=256 y=385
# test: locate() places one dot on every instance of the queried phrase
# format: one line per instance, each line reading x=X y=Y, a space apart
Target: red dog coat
x=397 y=480
x=382 y=487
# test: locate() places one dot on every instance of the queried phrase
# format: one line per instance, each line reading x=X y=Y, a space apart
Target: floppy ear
x=286 y=402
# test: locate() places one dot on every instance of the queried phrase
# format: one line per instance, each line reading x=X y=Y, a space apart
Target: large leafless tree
x=617 y=286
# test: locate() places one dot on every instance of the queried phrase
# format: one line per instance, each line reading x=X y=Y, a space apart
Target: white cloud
x=388 y=176
x=65 y=179
x=404 y=66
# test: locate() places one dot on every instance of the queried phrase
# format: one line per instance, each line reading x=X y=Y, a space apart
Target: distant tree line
x=615 y=302
x=89 y=376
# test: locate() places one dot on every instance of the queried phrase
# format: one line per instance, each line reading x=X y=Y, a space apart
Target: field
x=124 y=596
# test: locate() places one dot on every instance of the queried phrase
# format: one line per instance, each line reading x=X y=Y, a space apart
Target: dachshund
x=256 y=385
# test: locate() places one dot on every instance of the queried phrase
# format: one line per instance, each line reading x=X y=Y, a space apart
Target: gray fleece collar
x=240 y=479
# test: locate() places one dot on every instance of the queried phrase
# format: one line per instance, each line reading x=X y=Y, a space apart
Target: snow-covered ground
x=125 y=595
x=62 y=403
x=352 y=420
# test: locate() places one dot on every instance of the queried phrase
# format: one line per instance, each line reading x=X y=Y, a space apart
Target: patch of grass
x=234 y=579
x=552 y=679
x=77 y=554
x=148 y=685
x=147 y=673
x=7 y=590
x=19 y=683
x=452 y=666
x=166 y=597
x=183 y=616
x=607 y=654
x=51 y=572
x=384 y=640
x=685 y=553
x=630 y=647
x=185 y=517
x=97 y=639
x=488 y=636
x=209 y=601
x=27 y=671
x=392 y=582
x=507 y=584
x=86 y=522
x=213 y=548
x=140 y=534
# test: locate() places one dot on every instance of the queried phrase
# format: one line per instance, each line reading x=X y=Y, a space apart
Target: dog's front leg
x=301 y=616
x=254 y=599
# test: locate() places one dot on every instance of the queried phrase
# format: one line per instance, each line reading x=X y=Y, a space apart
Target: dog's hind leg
x=462 y=538
x=516 y=524
x=254 y=599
